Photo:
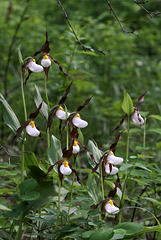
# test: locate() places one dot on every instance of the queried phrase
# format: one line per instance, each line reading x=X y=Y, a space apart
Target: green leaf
x=102 y=235
x=9 y=115
x=30 y=160
x=130 y=227
x=151 y=200
x=55 y=152
x=2 y=207
x=30 y=196
x=127 y=104
x=27 y=185
x=125 y=166
x=20 y=55
x=95 y=151
x=140 y=165
x=38 y=99
x=5 y=236
x=158 y=117
x=156 y=130
x=93 y=190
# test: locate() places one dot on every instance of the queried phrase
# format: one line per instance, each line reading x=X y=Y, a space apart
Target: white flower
x=113 y=171
x=111 y=158
x=46 y=62
x=110 y=208
x=32 y=130
x=65 y=169
x=34 y=67
x=61 y=114
x=78 y=122
x=136 y=118
x=76 y=148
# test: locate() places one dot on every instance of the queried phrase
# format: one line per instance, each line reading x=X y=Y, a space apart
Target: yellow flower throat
x=32 y=124
x=65 y=163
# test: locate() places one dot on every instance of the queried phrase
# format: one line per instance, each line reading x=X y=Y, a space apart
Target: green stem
x=144 y=136
x=47 y=100
x=126 y=175
x=71 y=194
x=102 y=185
x=59 y=202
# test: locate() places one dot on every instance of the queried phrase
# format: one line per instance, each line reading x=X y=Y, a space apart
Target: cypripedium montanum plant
x=107 y=204
x=75 y=144
x=32 y=66
x=135 y=116
x=31 y=128
x=46 y=58
x=64 y=166
x=75 y=118
x=59 y=111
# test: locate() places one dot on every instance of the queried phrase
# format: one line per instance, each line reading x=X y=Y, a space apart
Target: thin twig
x=145 y=10
x=117 y=18
x=78 y=40
x=8 y=154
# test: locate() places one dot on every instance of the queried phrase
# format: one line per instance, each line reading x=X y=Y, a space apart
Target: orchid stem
x=144 y=136
x=126 y=175
x=102 y=185
x=71 y=195
x=18 y=236
x=59 y=200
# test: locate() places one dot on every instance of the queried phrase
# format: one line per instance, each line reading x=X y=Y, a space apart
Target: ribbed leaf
x=9 y=115
x=55 y=152
x=127 y=104
x=38 y=99
x=93 y=189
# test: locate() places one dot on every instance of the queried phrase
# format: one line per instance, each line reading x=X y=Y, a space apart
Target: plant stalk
x=126 y=175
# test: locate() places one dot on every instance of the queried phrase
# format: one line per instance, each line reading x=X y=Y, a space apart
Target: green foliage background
x=131 y=62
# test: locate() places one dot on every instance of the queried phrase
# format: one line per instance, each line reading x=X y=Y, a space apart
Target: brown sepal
x=140 y=101
x=103 y=201
x=84 y=104
x=51 y=115
x=60 y=125
x=103 y=211
x=74 y=133
x=113 y=146
x=46 y=70
x=113 y=192
x=68 y=120
x=76 y=173
x=24 y=68
x=60 y=175
x=86 y=148
x=45 y=48
x=97 y=165
x=120 y=124
x=67 y=153
x=62 y=100
x=34 y=114
x=20 y=129
x=103 y=171
x=60 y=67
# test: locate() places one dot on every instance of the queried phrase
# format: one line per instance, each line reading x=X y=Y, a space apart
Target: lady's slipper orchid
x=61 y=114
x=114 y=170
x=46 y=62
x=58 y=110
x=32 y=130
x=136 y=118
x=76 y=147
x=65 y=169
x=111 y=158
x=110 y=208
x=78 y=122
x=34 y=67
x=46 y=58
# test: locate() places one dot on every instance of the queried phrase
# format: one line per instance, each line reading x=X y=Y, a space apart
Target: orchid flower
x=78 y=122
x=107 y=204
x=112 y=171
x=136 y=118
x=46 y=58
x=32 y=66
x=31 y=128
x=111 y=158
x=110 y=208
x=58 y=110
x=64 y=166
x=75 y=118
